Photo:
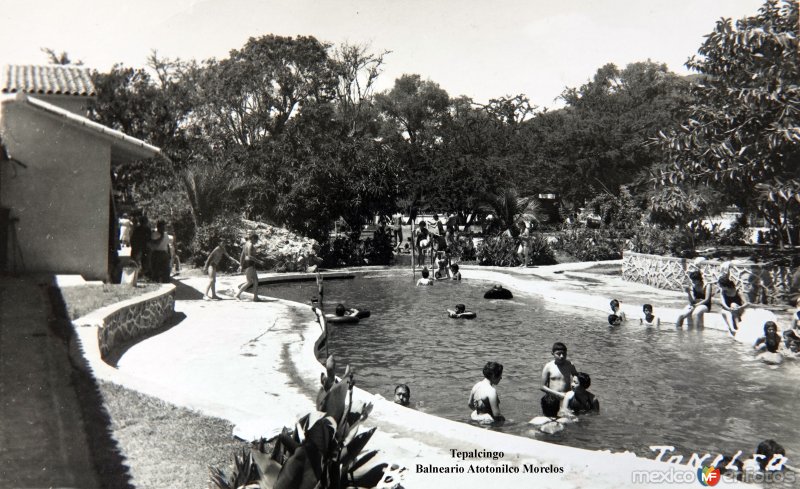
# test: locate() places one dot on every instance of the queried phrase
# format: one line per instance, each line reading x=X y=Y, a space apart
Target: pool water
x=697 y=391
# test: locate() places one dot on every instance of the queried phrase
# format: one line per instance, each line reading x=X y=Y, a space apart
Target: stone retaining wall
x=133 y=319
x=761 y=284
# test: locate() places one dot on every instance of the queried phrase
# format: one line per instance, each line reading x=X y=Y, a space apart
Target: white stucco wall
x=62 y=198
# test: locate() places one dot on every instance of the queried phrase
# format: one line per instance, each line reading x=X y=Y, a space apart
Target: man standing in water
x=557 y=374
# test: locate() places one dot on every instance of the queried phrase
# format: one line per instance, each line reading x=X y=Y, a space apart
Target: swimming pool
x=697 y=391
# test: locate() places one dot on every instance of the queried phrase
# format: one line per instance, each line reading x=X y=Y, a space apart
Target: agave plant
x=324 y=450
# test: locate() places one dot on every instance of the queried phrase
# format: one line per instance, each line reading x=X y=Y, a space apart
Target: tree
x=357 y=70
x=251 y=95
x=744 y=128
x=59 y=58
x=599 y=140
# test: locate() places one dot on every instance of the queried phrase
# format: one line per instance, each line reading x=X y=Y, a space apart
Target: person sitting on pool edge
x=483 y=398
x=402 y=395
x=791 y=336
x=549 y=422
x=461 y=312
x=425 y=280
x=699 y=295
x=498 y=292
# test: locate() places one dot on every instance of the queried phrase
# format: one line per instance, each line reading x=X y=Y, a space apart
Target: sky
x=481 y=49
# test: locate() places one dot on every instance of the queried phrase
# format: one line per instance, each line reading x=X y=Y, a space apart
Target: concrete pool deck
x=254 y=364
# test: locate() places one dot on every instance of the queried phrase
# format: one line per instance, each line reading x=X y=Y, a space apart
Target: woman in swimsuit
x=732 y=302
x=484 y=398
x=699 y=295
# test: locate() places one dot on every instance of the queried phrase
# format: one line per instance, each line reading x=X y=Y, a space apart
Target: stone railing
x=760 y=283
x=130 y=320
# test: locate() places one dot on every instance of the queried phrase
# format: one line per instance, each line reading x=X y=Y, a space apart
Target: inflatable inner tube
x=464 y=315
x=341 y=319
x=500 y=293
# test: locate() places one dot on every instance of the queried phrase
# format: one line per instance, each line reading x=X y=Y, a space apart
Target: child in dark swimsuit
x=770 y=341
x=580 y=400
x=699 y=295
x=732 y=302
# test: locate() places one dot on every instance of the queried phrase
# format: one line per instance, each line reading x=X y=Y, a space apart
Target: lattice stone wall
x=134 y=321
x=759 y=283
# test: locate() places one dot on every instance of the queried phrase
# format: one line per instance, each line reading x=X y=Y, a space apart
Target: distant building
x=56 y=205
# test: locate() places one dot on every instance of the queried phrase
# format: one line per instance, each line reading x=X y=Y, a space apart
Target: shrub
x=341 y=252
x=324 y=451
x=207 y=237
x=590 y=244
x=378 y=249
x=503 y=251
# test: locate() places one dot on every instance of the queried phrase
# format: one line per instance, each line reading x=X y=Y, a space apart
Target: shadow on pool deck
x=55 y=431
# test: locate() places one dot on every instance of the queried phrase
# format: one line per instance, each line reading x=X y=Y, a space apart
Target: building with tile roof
x=56 y=205
x=67 y=86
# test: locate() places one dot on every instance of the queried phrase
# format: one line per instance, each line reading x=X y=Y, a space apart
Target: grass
x=83 y=299
x=166 y=446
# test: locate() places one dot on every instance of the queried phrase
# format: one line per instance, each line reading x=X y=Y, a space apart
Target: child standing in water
x=454 y=273
x=557 y=374
x=616 y=310
x=425 y=280
x=580 y=400
x=483 y=398
x=649 y=319
x=549 y=423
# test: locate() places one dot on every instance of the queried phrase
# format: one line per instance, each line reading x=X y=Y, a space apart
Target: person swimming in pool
x=771 y=341
x=402 y=395
x=614 y=320
x=460 y=312
x=454 y=273
x=483 y=398
x=342 y=311
x=549 y=422
x=648 y=318
x=425 y=280
x=580 y=400
x=615 y=309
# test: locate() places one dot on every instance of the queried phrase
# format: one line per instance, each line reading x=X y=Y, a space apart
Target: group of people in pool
x=733 y=303
x=566 y=394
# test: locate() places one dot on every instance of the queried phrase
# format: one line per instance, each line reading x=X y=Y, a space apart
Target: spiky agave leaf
x=244 y=472
x=370 y=478
x=268 y=469
x=352 y=449
x=361 y=461
x=297 y=472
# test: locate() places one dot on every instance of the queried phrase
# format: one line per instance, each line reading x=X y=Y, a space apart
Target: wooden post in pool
x=321 y=294
x=413 y=249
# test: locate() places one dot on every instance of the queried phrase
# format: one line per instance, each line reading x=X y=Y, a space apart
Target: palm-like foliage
x=323 y=451
x=508 y=207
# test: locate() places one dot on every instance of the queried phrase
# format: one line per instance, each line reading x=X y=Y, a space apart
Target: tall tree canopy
x=743 y=130
x=599 y=140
